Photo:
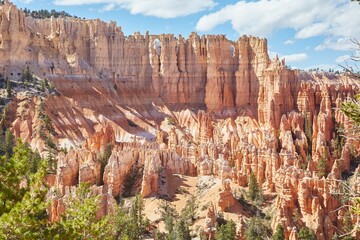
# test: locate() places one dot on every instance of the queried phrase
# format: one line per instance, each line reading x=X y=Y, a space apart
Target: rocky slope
x=169 y=105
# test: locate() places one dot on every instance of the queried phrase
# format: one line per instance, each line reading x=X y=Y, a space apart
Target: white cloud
x=339 y=44
x=26 y=1
x=336 y=20
x=313 y=30
x=108 y=7
x=289 y=42
x=155 y=8
x=342 y=59
x=297 y=57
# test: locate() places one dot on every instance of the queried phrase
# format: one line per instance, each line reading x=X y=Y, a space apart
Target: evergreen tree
x=26 y=75
x=177 y=227
x=323 y=164
x=159 y=235
x=80 y=221
x=351 y=108
x=9 y=143
x=131 y=225
x=306 y=234
x=169 y=216
x=279 y=233
x=182 y=230
x=16 y=168
x=348 y=226
x=8 y=87
x=227 y=231
x=338 y=142
x=256 y=230
x=188 y=213
x=28 y=219
x=254 y=192
x=137 y=223
x=51 y=163
x=308 y=132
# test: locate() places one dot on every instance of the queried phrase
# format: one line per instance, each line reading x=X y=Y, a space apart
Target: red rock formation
x=210 y=223
x=193 y=106
x=226 y=199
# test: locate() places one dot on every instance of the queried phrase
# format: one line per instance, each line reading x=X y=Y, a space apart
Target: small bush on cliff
x=170 y=121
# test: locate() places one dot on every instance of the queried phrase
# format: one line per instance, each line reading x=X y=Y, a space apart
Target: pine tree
x=227 y=231
x=169 y=215
x=131 y=225
x=338 y=142
x=306 y=234
x=279 y=233
x=256 y=229
x=323 y=164
x=20 y=165
x=177 y=227
x=26 y=75
x=8 y=87
x=28 y=219
x=308 y=129
x=80 y=220
x=351 y=109
x=189 y=211
x=182 y=230
x=254 y=192
x=51 y=163
x=348 y=226
x=9 y=143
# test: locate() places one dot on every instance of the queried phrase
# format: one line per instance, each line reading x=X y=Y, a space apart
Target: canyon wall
x=210 y=70
x=172 y=105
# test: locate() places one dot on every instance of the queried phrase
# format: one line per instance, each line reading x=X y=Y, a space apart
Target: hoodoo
x=180 y=119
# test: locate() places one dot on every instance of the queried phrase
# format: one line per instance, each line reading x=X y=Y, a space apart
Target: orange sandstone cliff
x=196 y=106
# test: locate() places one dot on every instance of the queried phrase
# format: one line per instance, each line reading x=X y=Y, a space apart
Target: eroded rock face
x=226 y=198
x=209 y=227
x=173 y=105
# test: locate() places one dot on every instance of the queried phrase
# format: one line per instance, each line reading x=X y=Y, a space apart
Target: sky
x=307 y=33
